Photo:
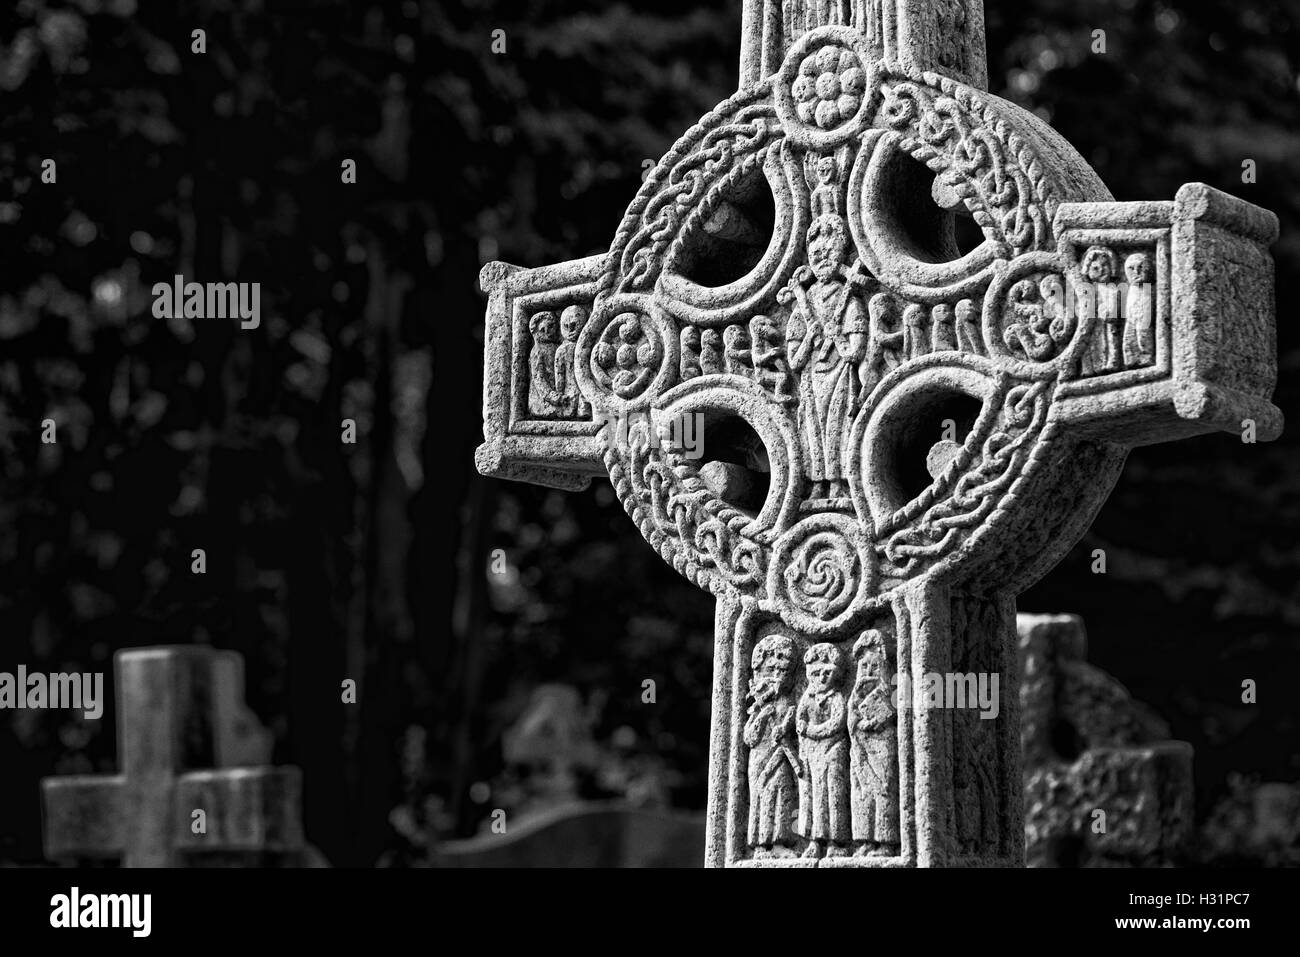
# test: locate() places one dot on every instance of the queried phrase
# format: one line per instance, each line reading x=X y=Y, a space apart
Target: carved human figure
x=823 y=748
x=774 y=763
x=970 y=338
x=916 y=331
x=826 y=193
x=826 y=339
x=943 y=337
x=884 y=343
x=767 y=355
x=711 y=355
x=544 y=400
x=1101 y=299
x=1139 y=313
x=873 y=750
x=571 y=401
x=736 y=358
x=689 y=364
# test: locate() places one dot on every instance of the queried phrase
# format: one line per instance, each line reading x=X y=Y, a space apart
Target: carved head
x=822 y=662
x=762 y=329
x=880 y=308
x=1099 y=264
x=826 y=169
x=773 y=664
x=542 y=326
x=869 y=652
x=827 y=241
x=571 y=321
x=735 y=338
x=1137 y=268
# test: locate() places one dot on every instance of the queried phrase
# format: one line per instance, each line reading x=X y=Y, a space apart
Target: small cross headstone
x=902 y=428
x=550 y=745
x=186 y=742
x=1103 y=784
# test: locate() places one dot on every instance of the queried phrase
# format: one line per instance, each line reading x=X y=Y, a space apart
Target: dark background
x=372 y=561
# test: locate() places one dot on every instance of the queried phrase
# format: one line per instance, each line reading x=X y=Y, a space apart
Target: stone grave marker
x=918 y=336
x=1104 y=785
x=551 y=744
x=185 y=742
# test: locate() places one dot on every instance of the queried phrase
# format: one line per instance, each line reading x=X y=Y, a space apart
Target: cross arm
x=83 y=817
x=246 y=809
x=536 y=426
x=1175 y=309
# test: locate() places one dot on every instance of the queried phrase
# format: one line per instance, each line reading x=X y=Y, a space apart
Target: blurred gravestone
x=864 y=358
x=1103 y=784
x=186 y=742
x=550 y=745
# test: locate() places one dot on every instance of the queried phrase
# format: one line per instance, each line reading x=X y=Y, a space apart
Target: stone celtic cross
x=901 y=430
x=185 y=742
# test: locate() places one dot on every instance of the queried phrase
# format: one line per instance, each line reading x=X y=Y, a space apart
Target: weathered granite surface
x=920 y=336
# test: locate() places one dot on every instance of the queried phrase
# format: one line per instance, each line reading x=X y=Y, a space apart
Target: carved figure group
x=552 y=389
x=823 y=771
x=1124 y=334
x=1042 y=314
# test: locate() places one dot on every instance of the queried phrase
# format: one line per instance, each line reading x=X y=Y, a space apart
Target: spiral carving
x=823 y=577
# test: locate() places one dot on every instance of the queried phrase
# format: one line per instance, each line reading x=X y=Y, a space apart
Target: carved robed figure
x=774 y=763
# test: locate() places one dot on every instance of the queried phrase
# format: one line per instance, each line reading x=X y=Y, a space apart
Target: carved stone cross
x=902 y=431
x=185 y=743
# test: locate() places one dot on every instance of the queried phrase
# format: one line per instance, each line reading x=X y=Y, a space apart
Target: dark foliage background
x=372 y=561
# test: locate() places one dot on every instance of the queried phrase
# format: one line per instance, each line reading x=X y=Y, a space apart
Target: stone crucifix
x=900 y=433
x=186 y=742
